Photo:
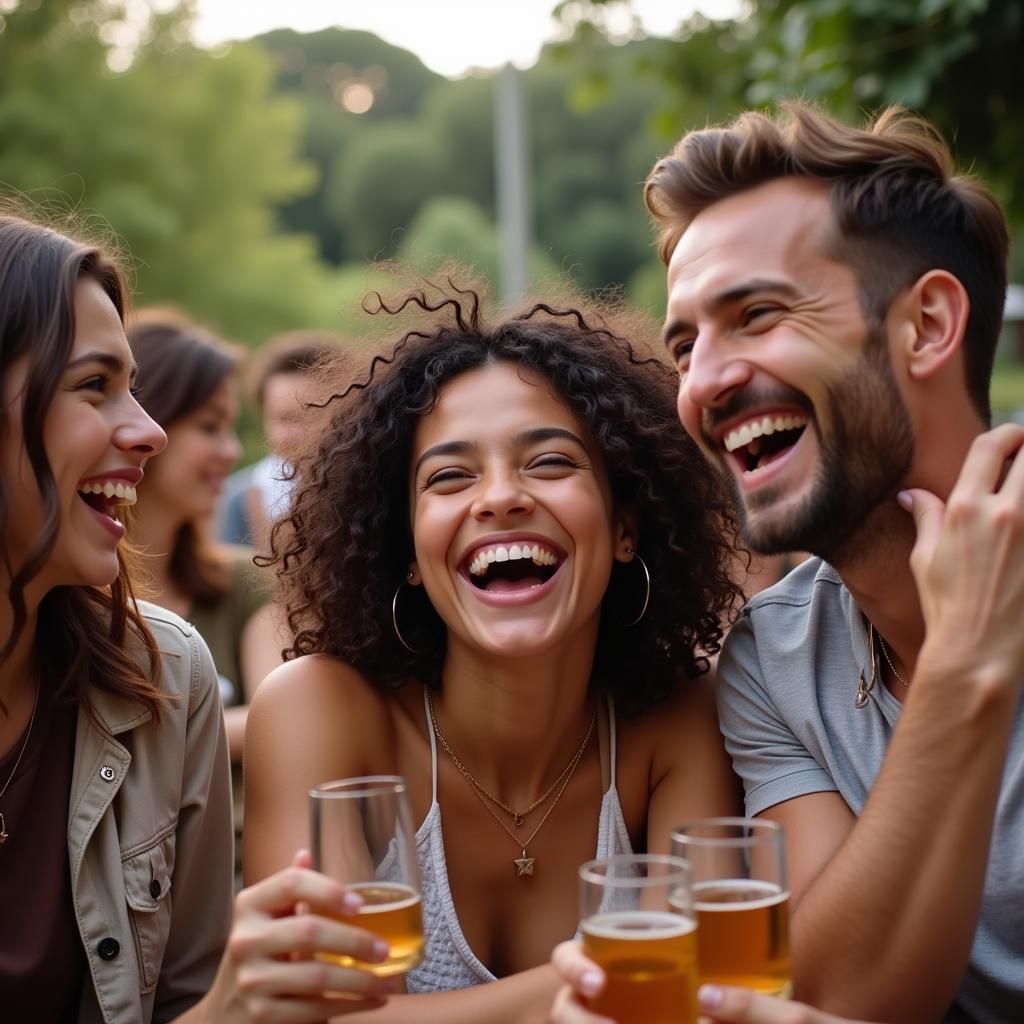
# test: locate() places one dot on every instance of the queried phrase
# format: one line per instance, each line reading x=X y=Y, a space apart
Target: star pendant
x=524 y=865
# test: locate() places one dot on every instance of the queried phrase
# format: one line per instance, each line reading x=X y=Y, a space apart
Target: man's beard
x=862 y=463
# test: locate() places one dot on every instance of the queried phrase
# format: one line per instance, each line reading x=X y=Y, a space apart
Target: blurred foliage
x=253 y=183
x=957 y=62
x=189 y=175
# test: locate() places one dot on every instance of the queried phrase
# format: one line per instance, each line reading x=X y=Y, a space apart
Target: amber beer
x=744 y=934
x=650 y=960
x=391 y=912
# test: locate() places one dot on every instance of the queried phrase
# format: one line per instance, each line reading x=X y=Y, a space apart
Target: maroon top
x=42 y=963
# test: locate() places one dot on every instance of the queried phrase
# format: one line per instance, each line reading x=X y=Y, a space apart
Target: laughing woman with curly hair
x=505 y=570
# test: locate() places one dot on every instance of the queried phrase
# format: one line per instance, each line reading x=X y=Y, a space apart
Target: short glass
x=741 y=893
x=362 y=836
x=638 y=924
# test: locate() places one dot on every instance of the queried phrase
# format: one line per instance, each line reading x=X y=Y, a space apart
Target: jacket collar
x=118 y=714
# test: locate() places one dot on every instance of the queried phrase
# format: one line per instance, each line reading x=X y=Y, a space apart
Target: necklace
x=523 y=864
x=516 y=816
x=888 y=661
x=4 y=835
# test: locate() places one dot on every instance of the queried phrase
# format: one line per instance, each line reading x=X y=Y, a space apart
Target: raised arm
x=894 y=895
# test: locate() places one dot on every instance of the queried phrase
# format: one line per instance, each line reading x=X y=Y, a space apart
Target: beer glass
x=741 y=894
x=638 y=924
x=362 y=836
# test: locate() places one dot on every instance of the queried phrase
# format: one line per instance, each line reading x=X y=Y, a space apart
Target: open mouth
x=106 y=498
x=508 y=568
x=761 y=441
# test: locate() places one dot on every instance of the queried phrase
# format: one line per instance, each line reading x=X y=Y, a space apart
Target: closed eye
x=553 y=461
x=753 y=313
x=446 y=476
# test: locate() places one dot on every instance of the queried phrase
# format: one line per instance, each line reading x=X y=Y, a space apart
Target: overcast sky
x=449 y=36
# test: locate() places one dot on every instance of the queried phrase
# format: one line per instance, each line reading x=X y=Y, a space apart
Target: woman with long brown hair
x=115 y=823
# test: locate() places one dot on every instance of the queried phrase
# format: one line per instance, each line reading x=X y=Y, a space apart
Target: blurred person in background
x=115 y=831
x=188 y=383
x=280 y=379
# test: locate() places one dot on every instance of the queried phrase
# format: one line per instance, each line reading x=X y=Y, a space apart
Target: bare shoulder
x=315 y=703
x=312 y=719
x=690 y=774
x=682 y=728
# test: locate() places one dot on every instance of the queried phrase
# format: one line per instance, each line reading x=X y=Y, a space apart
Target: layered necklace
x=4 y=835
x=524 y=864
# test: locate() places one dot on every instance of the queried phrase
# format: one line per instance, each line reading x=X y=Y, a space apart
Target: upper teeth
x=110 y=489
x=759 y=428
x=500 y=553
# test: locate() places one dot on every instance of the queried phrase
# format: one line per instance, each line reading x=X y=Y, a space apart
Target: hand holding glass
x=362 y=836
x=638 y=925
x=741 y=893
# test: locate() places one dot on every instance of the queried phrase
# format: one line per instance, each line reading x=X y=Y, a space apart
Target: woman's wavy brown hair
x=900 y=209
x=82 y=632
x=347 y=544
x=180 y=366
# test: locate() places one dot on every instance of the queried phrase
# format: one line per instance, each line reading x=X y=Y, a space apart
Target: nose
x=139 y=432
x=232 y=447
x=712 y=375
x=502 y=496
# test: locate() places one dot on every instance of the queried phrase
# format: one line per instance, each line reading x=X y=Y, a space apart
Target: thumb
x=927 y=511
x=302 y=859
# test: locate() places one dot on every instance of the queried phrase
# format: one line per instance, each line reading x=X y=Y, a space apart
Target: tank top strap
x=433 y=748
x=611 y=738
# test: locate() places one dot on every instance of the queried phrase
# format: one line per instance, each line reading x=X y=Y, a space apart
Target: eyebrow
x=113 y=363
x=537 y=435
x=728 y=297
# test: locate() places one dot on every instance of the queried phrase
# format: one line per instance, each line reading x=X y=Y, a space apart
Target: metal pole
x=512 y=177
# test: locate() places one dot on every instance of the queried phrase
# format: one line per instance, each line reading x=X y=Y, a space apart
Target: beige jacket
x=150 y=839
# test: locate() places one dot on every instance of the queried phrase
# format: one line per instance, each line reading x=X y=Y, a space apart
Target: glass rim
x=682 y=871
x=762 y=830
x=357 y=786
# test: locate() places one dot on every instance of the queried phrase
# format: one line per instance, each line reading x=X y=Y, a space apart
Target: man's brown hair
x=899 y=207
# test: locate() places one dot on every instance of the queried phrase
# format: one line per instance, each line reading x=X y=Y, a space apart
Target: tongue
x=499 y=586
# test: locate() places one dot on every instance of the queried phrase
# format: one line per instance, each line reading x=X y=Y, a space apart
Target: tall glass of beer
x=638 y=924
x=362 y=836
x=741 y=893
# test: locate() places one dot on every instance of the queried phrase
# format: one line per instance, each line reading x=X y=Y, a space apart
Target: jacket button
x=107 y=773
x=108 y=948
x=154 y=888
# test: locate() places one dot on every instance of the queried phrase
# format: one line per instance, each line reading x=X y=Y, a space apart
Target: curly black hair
x=347 y=543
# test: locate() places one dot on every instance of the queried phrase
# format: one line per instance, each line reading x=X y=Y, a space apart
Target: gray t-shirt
x=787 y=685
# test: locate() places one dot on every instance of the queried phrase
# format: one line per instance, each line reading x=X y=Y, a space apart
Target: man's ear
x=625 y=537
x=933 y=318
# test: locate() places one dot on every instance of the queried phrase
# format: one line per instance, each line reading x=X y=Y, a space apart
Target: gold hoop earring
x=394 y=615
x=647 y=590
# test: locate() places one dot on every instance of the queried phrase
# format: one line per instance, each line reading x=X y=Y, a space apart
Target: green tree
x=377 y=187
x=188 y=175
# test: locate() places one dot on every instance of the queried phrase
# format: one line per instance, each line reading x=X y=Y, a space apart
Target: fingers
x=583 y=975
x=280 y=892
x=984 y=467
x=305 y=1011
x=311 y=978
x=567 y=1009
x=730 y=1005
x=302 y=859
x=304 y=936
x=927 y=511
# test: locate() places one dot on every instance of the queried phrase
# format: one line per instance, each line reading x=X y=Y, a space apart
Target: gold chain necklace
x=888 y=661
x=4 y=836
x=524 y=863
x=516 y=816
